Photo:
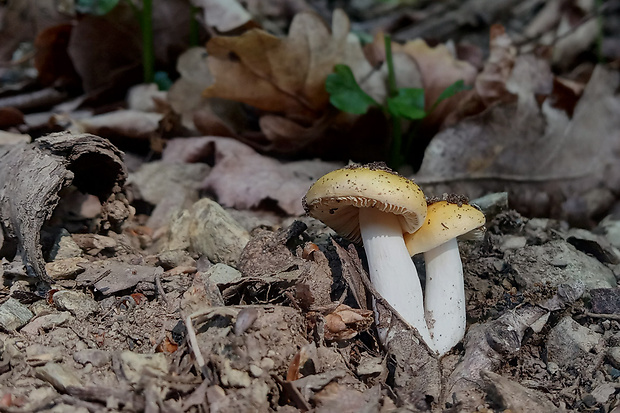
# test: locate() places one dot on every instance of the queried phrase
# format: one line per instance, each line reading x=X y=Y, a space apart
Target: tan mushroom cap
x=444 y=221
x=336 y=198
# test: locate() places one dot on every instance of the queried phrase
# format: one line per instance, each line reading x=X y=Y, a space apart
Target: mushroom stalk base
x=391 y=269
x=444 y=297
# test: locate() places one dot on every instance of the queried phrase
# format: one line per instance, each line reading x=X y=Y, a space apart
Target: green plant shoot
x=402 y=103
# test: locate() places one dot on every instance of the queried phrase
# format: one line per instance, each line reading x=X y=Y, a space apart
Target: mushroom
x=444 y=296
x=374 y=204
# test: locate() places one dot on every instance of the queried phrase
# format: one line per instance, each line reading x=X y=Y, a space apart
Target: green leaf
x=453 y=89
x=408 y=104
x=345 y=93
x=95 y=7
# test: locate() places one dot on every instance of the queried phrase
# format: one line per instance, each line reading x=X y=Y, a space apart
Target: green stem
x=194 y=35
x=396 y=157
x=393 y=90
x=148 y=56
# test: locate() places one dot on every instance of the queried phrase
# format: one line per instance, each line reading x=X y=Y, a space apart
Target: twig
x=191 y=333
x=193 y=344
x=607 y=316
x=294 y=394
x=99 y=278
x=73 y=401
x=160 y=289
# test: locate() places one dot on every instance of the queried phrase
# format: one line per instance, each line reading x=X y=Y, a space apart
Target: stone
x=178 y=231
x=37 y=354
x=370 y=366
x=65 y=268
x=93 y=244
x=603 y=392
x=610 y=226
x=156 y=180
x=222 y=274
x=60 y=376
x=605 y=300
x=175 y=258
x=215 y=234
x=234 y=378
x=492 y=204
x=46 y=322
x=512 y=242
x=77 y=303
x=559 y=263
x=171 y=187
x=121 y=276
x=14 y=315
x=134 y=365
x=64 y=247
x=569 y=342
x=512 y=396
x=95 y=357
x=255 y=371
x=613 y=354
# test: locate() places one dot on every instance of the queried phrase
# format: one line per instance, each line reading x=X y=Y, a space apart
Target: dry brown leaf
x=210 y=116
x=438 y=68
x=223 y=15
x=243 y=179
x=345 y=322
x=20 y=21
x=307 y=352
x=284 y=75
x=490 y=84
x=283 y=79
x=106 y=50
x=128 y=123
x=564 y=27
x=51 y=60
x=551 y=164
x=286 y=78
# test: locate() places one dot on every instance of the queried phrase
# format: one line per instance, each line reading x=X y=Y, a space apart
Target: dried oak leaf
x=284 y=74
x=345 y=322
x=551 y=164
x=51 y=59
x=243 y=179
x=286 y=77
x=21 y=21
x=490 y=85
x=438 y=67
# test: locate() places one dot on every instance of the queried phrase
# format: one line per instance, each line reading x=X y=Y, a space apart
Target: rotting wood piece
x=31 y=178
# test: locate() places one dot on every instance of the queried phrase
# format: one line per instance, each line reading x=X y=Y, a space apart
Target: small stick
x=99 y=278
x=193 y=344
x=608 y=316
x=160 y=289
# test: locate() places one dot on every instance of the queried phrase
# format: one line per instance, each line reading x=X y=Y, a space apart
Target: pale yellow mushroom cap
x=336 y=198
x=444 y=221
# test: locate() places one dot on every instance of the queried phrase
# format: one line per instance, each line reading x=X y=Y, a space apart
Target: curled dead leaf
x=345 y=322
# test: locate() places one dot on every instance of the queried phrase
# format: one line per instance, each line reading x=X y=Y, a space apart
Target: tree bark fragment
x=32 y=177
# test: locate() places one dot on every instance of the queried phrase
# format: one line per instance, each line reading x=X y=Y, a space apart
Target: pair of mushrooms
x=390 y=215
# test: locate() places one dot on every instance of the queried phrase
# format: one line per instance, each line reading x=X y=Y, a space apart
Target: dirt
x=264 y=340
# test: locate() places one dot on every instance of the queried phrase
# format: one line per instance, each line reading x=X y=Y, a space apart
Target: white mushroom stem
x=392 y=271
x=444 y=297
